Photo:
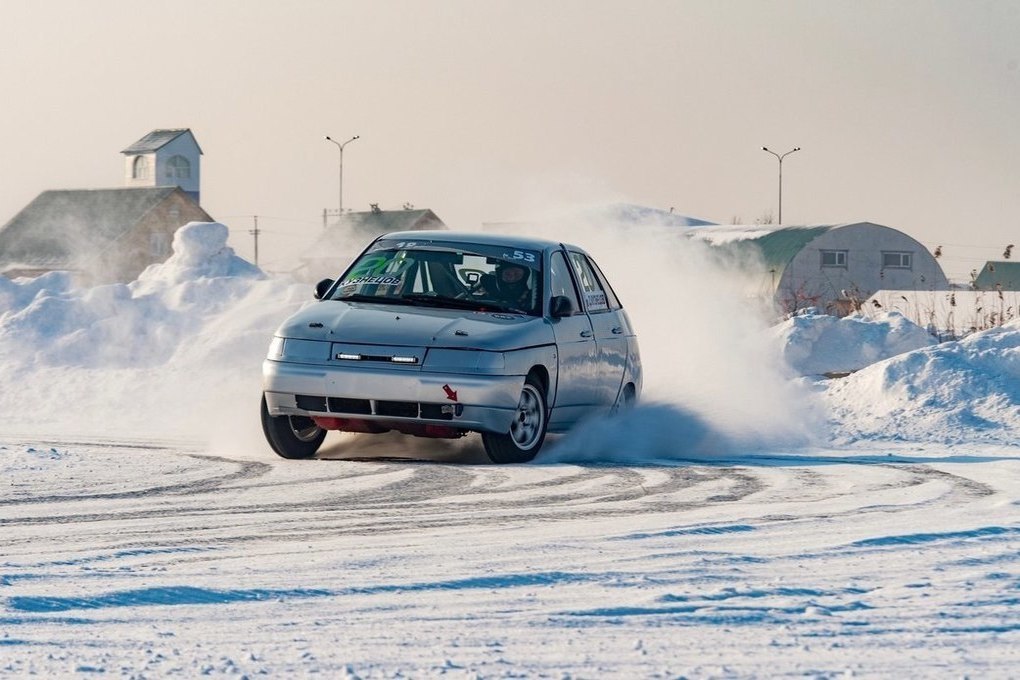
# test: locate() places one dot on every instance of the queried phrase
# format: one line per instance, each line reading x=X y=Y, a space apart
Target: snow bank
x=143 y=323
x=200 y=254
x=953 y=392
x=18 y=293
x=815 y=344
x=155 y=355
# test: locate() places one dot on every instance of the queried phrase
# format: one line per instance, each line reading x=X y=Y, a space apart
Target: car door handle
x=618 y=330
x=586 y=334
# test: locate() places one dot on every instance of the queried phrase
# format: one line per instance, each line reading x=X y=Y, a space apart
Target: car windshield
x=480 y=277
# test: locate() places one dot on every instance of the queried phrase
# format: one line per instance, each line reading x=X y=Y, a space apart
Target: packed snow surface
x=751 y=518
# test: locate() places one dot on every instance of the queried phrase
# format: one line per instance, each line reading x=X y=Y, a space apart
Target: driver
x=509 y=285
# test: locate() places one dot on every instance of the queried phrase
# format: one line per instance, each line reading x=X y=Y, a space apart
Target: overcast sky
x=907 y=112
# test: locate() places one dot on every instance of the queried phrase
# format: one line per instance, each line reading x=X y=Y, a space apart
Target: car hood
x=364 y=323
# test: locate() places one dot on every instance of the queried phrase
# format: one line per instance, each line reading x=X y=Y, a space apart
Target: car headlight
x=275 y=349
x=298 y=351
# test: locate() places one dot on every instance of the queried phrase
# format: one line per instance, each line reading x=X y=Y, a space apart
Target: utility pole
x=780 y=157
x=255 y=232
x=340 y=205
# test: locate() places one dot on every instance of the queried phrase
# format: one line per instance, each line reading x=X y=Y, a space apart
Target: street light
x=341 y=147
x=780 y=157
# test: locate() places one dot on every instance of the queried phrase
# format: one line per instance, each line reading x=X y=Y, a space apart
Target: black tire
x=527 y=431
x=626 y=400
x=291 y=436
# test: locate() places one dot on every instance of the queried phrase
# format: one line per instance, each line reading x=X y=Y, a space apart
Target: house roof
x=382 y=221
x=156 y=140
x=999 y=274
x=353 y=230
x=59 y=225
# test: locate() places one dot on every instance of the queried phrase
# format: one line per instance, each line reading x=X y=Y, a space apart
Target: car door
x=609 y=325
x=577 y=369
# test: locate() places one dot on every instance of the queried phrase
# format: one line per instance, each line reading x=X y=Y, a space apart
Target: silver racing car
x=439 y=333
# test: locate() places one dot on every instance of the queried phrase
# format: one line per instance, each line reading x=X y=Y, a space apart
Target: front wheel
x=527 y=430
x=291 y=436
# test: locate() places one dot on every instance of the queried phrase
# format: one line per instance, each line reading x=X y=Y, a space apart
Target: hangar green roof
x=775 y=246
x=1002 y=275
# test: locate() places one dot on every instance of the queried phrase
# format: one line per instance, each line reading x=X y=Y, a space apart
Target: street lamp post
x=341 y=147
x=780 y=157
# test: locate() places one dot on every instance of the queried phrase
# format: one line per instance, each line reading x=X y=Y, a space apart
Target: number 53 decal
x=521 y=255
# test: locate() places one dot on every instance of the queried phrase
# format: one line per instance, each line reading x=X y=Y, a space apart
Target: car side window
x=560 y=282
x=595 y=299
x=614 y=302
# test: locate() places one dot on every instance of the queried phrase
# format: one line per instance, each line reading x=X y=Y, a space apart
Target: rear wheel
x=527 y=429
x=291 y=436
x=626 y=400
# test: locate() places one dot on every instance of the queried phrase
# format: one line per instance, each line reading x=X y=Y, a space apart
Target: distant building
x=834 y=268
x=99 y=235
x=1002 y=275
x=107 y=235
x=344 y=239
x=165 y=158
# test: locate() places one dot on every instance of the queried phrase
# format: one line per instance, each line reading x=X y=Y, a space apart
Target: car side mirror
x=560 y=306
x=321 y=287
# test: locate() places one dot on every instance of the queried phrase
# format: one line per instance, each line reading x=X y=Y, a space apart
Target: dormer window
x=178 y=167
x=140 y=168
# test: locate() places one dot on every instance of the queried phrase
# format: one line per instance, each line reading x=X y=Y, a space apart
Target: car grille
x=311 y=403
x=365 y=407
x=400 y=409
x=360 y=406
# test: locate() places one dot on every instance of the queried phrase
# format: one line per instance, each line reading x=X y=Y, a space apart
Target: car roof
x=485 y=238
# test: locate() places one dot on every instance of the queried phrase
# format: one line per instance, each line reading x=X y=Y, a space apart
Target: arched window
x=178 y=167
x=140 y=168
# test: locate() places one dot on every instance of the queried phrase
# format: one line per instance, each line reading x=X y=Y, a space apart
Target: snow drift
x=170 y=354
x=815 y=344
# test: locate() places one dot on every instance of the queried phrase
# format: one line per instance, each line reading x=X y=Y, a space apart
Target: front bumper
x=480 y=403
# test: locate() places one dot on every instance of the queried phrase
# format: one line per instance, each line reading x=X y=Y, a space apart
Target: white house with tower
x=165 y=158
x=113 y=234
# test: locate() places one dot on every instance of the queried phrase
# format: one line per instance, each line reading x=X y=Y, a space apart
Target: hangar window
x=897 y=260
x=834 y=258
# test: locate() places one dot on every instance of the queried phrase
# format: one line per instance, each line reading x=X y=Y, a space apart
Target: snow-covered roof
x=720 y=234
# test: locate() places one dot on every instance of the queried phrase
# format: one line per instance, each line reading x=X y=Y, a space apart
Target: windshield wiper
x=443 y=301
x=357 y=297
x=479 y=305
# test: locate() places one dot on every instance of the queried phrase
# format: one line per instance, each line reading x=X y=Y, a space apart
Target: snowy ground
x=752 y=519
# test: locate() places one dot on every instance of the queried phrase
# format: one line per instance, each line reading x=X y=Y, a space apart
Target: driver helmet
x=511 y=277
